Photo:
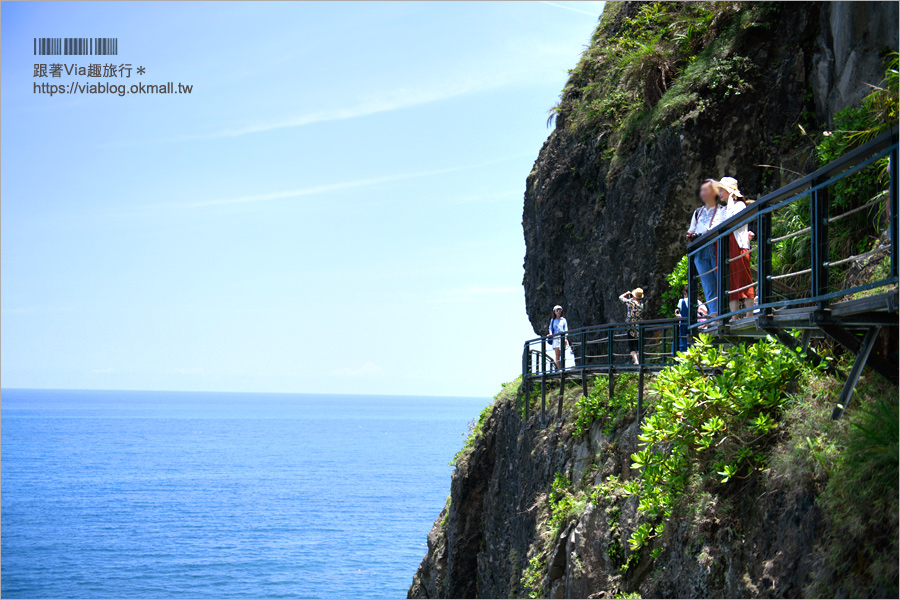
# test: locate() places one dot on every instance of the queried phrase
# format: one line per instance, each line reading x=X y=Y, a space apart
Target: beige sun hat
x=730 y=184
x=638 y=293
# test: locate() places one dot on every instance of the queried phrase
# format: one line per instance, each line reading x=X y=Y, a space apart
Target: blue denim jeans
x=682 y=342
x=706 y=261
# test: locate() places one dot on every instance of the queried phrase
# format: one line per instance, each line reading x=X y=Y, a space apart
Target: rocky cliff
x=496 y=525
x=641 y=123
x=666 y=95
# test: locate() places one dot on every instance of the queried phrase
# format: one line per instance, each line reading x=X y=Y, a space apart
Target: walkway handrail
x=812 y=189
x=641 y=346
x=594 y=327
x=645 y=346
x=655 y=344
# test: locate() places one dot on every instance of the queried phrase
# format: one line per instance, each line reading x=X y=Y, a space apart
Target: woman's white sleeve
x=693 y=227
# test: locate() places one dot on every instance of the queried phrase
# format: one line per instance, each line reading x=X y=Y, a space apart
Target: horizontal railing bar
x=790 y=235
x=741 y=255
x=794 y=274
x=604 y=328
x=878 y=199
x=857 y=257
x=740 y=289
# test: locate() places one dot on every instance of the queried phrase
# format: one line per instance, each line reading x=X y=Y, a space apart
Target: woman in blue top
x=558 y=325
x=705 y=218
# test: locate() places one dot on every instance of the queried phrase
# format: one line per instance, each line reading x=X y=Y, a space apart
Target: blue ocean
x=177 y=494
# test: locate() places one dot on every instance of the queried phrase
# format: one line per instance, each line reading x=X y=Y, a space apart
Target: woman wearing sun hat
x=558 y=325
x=634 y=311
x=740 y=278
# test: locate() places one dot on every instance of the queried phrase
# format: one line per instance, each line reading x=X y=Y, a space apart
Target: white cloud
x=386 y=102
x=314 y=190
x=369 y=369
x=514 y=61
x=573 y=9
x=344 y=185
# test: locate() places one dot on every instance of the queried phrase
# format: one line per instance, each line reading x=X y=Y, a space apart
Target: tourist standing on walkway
x=681 y=311
x=705 y=218
x=740 y=280
x=634 y=312
x=558 y=325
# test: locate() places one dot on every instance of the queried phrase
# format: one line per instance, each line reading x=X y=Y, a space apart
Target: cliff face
x=483 y=542
x=606 y=207
x=608 y=202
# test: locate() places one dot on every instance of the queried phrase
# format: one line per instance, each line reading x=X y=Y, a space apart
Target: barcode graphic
x=57 y=46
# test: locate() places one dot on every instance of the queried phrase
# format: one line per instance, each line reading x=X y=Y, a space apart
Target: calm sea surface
x=165 y=494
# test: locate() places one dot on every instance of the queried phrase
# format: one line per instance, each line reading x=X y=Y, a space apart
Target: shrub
x=533 y=577
x=715 y=410
x=596 y=405
x=476 y=428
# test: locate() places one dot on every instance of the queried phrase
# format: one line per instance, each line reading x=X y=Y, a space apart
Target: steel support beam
x=853 y=378
x=852 y=343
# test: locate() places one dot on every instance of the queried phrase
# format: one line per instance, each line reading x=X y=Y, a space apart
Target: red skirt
x=739 y=272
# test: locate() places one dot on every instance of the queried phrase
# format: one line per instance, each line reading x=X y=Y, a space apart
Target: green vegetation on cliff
x=724 y=425
x=664 y=63
x=713 y=416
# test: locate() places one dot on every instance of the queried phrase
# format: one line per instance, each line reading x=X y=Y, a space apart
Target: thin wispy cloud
x=393 y=101
x=311 y=191
x=509 y=68
x=369 y=369
x=571 y=8
x=339 y=186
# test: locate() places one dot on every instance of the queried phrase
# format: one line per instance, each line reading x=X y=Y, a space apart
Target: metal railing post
x=892 y=207
x=693 y=305
x=640 y=398
x=612 y=383
x=764 y=257
x=562 y=374
x=609 y=346
x=640 y=345
x=723 y=244
x=676 y=336
x=819 y=235
x=583 y=350
x=543 y=378
x=525 y=380
x=584 y=390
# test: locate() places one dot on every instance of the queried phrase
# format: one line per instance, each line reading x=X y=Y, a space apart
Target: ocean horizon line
x=163 y=391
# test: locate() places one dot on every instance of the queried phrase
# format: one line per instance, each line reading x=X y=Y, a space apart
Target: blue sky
x=335 y=208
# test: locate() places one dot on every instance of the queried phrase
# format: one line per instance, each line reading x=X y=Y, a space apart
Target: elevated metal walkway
x=824 y=264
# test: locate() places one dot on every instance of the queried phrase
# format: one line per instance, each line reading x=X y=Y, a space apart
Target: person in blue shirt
x=558 y=325
x=682 y=313
x=705 y=218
